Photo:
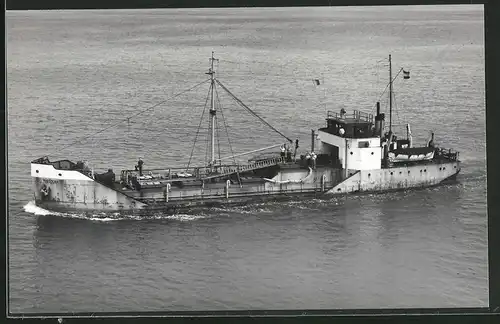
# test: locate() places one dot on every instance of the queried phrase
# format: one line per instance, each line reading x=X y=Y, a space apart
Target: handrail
x=356 y=114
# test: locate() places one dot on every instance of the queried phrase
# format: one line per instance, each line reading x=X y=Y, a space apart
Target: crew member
x=308 y=159
x=282 y=150
x=139 y=165
x=313 y=160
x=342 y=113
x=289 y=154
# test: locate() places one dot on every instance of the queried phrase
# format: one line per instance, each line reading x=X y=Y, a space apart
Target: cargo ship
x=352 y=153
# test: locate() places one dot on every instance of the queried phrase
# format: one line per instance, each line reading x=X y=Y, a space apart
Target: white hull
x=397 y=178
x=70 y=190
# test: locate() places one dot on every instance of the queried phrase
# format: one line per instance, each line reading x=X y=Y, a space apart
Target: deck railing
x=159 y=176
x=356 y=115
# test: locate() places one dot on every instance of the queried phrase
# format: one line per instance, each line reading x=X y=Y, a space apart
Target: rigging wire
x=134 y=115
x=225 y=125
x=198 y=130
x=208 y=136
x=251 y=111
x=388 y=84
x=217 y=130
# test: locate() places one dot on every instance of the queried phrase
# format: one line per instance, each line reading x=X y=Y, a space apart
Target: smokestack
x=379 y=121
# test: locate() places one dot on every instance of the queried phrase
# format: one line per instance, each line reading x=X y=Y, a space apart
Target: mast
x=213 y=111
x=390 y=95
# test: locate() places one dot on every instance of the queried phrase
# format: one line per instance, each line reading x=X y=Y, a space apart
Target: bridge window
x=363 y=144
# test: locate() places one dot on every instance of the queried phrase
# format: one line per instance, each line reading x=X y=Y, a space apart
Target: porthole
x=440 y=169
x=402 y=172
x=444 y=168
x=425 y=170
x=392 y=173
x=338 y=189
x=455 y=166
x=372 y=153
x=351 y=153
x=369 y=174
x=408 y=171
x=60 y=174
x=420 y=171
x=37 y=171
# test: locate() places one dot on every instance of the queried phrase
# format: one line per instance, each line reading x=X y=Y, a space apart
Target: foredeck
x=161 y=177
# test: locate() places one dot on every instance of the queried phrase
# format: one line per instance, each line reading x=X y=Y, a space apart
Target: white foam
x=31 y=208
x=183 y=217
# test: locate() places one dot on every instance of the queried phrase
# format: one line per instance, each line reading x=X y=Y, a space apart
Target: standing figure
x=288 y=154
x=296 y=148
x=313 y=160
x=139 y=165
x=342 y=113
x=282 y=148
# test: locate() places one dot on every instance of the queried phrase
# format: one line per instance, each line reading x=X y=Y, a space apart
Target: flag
x=406 y=74
x=316 y=81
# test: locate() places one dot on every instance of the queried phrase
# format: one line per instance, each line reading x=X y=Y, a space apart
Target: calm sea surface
x=72 y=73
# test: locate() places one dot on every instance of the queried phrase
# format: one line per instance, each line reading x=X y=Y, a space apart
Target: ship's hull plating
x=404 y=177
x=70 y=193
x=68 y=190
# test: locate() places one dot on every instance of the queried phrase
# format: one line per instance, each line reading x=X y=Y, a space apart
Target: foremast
x=213 y=111
x=390 y=95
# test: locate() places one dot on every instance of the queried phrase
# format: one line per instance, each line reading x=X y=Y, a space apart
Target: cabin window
x=440 y=169
x=37 y=171
x=408 y=171
x=444 y=168
x=338 y=189
x=60 y=174
x=392 y=173
x=369 y=174
x=363 y=144
x=400 y=172
x=351 y=153
x=425 y=170
x=455 y=167
x=420 y=171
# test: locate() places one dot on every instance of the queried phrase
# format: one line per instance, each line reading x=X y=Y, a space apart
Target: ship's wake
x=32 y=208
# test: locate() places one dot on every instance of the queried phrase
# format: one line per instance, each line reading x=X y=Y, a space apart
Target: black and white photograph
x=216 y=159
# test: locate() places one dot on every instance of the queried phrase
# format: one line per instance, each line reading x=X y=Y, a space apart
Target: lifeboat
x=411 y=154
